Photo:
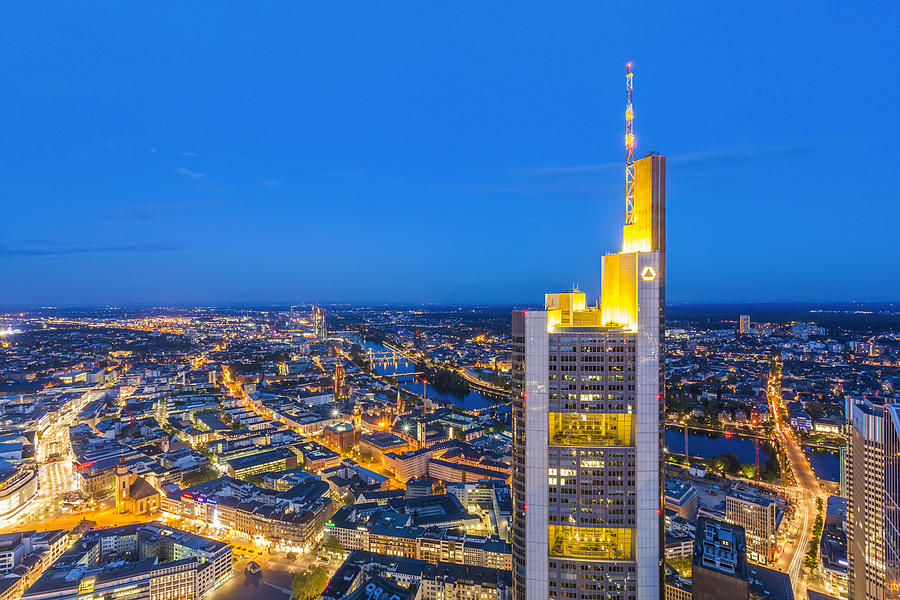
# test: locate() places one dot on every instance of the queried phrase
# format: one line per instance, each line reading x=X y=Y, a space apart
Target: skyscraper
x=318 y=322
x=892 y=502
x=744 y=324
x=587 y=429
x=866 y=499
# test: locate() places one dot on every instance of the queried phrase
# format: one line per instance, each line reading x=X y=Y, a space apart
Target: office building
x=758 y=516
x=865 y=500
x=17 y=487
x=450 y=580
x=682 y=498
x=892 y=502
x=744 y=324
x=262 y=462
x=587 y=430
x=136 y=561
x=318 y=323
x=719 y=568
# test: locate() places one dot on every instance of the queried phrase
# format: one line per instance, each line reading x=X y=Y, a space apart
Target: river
x=825 y=463
x=712 y=445
x=474 y=400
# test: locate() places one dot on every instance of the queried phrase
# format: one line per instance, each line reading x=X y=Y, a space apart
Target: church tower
x=122 y=482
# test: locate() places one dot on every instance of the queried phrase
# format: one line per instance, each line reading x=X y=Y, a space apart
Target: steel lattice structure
x=629 y=149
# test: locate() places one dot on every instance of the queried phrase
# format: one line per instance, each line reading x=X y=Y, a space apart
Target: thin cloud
x=64 y=249
x=718 y=154
x=153 y=210
x=739 y=153
x=191 y=154
x=571 y=169
x=555 y=189
x=189 y=173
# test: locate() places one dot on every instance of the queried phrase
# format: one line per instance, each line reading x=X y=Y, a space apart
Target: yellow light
x=648 y=274
x=86 y=585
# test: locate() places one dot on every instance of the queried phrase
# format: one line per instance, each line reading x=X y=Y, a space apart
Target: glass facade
x=892 y=503
x=587 y=427
x=591 y=429
x=591 y=543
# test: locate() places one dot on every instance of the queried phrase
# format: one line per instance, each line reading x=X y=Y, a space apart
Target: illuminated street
x=805 y=493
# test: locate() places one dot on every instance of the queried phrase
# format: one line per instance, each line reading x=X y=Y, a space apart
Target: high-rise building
x=866 y=499
x=587 y=428
x=719 y=568
x=318 y=322
x=842 y=461
x=892 y=502
x=744 y=324
x=757 y=515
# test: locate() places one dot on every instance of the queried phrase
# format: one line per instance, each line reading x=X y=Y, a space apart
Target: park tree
x=309 y=584
x=730 y=462
x=333 y=545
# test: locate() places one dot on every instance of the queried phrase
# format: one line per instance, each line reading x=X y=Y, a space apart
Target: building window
x=591 y=429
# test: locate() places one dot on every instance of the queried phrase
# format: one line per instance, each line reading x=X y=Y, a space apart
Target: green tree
x=205 y=473
x=333 y=545
x=309 y=584
x=730 y=462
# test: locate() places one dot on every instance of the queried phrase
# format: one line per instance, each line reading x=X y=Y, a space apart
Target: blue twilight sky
x=226 y=152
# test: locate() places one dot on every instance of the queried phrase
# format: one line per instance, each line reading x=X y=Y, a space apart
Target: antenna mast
x=629 y=149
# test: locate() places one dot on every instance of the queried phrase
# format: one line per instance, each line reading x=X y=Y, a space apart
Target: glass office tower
x=588 y=423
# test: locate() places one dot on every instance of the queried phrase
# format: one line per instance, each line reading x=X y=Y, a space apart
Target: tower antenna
x=629 y=148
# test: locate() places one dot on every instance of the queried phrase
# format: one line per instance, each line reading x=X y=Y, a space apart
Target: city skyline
x=271 y=320
x=152 y=161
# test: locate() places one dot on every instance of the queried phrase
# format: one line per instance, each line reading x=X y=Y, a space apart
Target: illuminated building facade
x=587 y=430
x=17 y=486
x=865 y=500
x=892 y=502
x=318 y=322
x=143 y=561
x=340 y=382
x=744 y=326
x=291 y=520
x=756 y=514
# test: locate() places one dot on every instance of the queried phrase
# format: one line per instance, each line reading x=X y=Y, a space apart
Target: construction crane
x=629 y=148
x=130 y=422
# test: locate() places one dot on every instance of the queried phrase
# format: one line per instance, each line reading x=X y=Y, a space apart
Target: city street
x=806 y=491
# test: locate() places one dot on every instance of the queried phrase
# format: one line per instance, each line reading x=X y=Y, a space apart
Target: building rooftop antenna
x=629 y=147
